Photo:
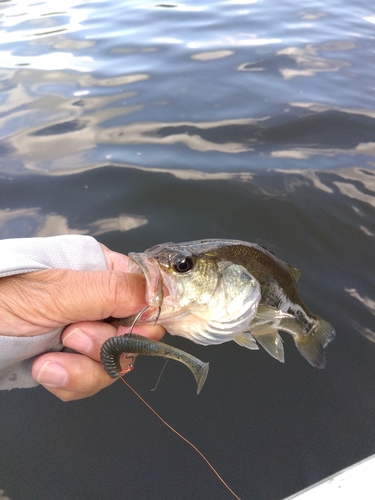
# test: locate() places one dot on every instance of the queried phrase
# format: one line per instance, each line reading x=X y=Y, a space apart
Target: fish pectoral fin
x=245 y=339
x=271 y=342
x=270 y=314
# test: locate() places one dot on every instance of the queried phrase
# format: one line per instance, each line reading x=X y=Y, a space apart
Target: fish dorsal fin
x=245 y=339
x=271 y=342
x=296 y=273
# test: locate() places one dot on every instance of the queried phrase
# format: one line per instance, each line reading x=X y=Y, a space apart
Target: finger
x=88 y=337
x=115 y=261
x=99 y=295
x=155 y=332
x=58 y=297
x=70 y=376
x=75 y=376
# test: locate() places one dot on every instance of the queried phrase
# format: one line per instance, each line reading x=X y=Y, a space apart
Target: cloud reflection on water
x=309 y=63
x=53 y=61
x=30 y=222
x=357 y=183
x=195 y=136
x=77 y=128
x=369 y=305
x=210 y=56
x=31 y=20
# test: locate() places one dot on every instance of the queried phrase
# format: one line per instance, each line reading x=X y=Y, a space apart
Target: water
x=140 y=123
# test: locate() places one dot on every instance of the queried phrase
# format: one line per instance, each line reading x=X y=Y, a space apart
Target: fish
x=212 y=291
x=137 y=344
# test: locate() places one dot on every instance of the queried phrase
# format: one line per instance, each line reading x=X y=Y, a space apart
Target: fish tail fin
x=312 y=345
x=200 y=371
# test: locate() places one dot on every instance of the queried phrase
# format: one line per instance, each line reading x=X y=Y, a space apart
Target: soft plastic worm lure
x=136 y=344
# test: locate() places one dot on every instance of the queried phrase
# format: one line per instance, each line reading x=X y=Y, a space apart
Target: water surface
x=140 y=123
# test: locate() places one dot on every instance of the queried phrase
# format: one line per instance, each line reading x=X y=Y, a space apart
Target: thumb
x=47 y=299
x=98 y=295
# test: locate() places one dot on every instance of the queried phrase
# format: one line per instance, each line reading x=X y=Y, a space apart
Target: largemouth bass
x=214 y=291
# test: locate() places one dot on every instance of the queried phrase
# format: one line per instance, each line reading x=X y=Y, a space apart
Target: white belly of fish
x=215 y=324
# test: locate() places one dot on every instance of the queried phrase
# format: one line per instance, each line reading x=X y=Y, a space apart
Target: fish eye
x=182 y=264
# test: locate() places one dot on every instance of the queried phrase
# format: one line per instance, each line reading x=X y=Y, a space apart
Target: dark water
x=140 y=123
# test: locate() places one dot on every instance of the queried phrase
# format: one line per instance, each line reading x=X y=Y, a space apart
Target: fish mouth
x=142 y=263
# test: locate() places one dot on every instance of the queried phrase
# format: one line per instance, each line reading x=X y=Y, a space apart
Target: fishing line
x=182 y=437
x=161 y=373
x=162 y=419
x=131 y=331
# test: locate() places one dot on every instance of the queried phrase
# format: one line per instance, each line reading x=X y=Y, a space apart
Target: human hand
x=38 y=302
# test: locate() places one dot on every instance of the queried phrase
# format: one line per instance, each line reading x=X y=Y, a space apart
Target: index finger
x=87 y=337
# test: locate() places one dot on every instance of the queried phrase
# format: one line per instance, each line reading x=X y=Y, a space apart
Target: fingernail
x=52 y=374
x=79 y=341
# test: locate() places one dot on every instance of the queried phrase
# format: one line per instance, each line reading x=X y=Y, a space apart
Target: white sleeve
x=24 y=255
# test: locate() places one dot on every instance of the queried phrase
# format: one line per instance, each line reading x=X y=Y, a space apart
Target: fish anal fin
x=312 y=345
x=271 y=342
x=245 y=339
